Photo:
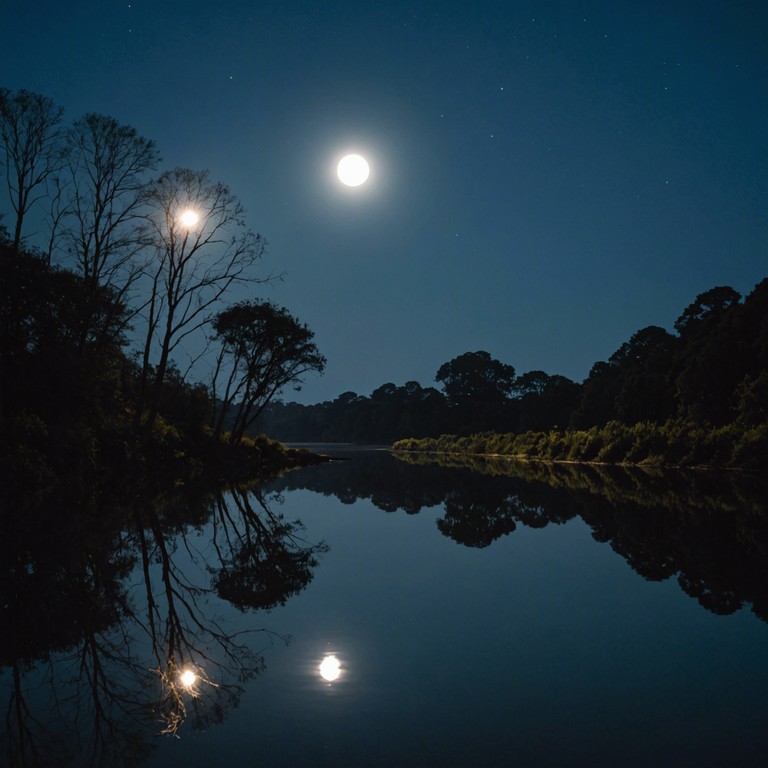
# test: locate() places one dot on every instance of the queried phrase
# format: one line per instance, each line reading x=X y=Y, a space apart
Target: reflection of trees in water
x=474 y=521
x=265 y=560
x=709 y=530
x=60 y=595
x=182 y=637
x=374 y=475
x=91 y=661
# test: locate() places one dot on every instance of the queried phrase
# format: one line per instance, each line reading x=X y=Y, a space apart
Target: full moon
x=330 y=668
x=353 y=170
x=189 y=218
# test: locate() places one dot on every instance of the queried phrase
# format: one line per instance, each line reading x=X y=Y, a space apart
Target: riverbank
x=675 y=443
x=38 y=458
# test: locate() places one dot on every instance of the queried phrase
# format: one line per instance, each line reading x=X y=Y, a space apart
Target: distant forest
x=711 y=372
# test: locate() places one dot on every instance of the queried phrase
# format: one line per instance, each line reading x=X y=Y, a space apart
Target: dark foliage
x=711 y=375
x=707 y=530
x=69 y=393
x=263 y=349
x=71 y=558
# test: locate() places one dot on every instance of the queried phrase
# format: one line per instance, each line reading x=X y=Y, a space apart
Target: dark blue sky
x=546 y=178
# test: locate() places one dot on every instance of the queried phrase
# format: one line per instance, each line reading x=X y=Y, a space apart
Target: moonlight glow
x=188 y=678
x=330 y=668
x=353 y=170
x=189 y=218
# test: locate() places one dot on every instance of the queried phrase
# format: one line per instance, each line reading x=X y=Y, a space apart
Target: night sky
x=546 y=177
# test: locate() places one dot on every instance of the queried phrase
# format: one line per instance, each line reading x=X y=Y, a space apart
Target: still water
x=422 y=614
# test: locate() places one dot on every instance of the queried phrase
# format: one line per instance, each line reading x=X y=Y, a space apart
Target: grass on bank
x=676 y=442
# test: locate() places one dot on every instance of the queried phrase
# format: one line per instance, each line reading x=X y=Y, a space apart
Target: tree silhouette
x=195 y=262
x=265 y=561
x=708 y=307
x=264 y=349
x=107 y=164
x=477 y=520
x=634 y=385
x=476 y=376
x=30 y=129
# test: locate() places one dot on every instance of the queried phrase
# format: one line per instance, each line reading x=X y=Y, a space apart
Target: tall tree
x=598 y=393
x=30 y=129
x=478 y=389
x=476 y=376
x=752 y=327
x=645 y=392
x=714 y=356
x=707 y=309
x=263 y=349
x=544 y=401
x=107 y=162
x=202 y=247
x=634 y=385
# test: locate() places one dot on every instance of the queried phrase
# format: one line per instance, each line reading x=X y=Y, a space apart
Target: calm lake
x=490 y=614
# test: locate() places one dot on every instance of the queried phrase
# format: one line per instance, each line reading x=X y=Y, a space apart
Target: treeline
x=479 y=393
x=134 y=268
x=710 y=374
x=390 y=412
x=676 y=442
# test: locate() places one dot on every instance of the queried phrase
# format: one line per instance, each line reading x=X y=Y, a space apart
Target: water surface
x=485 y=615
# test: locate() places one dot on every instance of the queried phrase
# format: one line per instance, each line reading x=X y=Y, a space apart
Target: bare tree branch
x=31 y=149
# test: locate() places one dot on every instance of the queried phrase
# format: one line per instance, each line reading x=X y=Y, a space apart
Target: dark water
x=482 y=615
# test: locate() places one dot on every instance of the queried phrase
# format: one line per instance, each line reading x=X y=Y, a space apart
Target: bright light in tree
x=188 y=678
x=189 y=218
x=330 y=668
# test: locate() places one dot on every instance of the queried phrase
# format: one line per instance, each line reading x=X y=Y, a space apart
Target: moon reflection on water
x=330 y=668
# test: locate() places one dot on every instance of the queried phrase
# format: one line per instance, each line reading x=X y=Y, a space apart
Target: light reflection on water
x=469 y=623
x=330 y=668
